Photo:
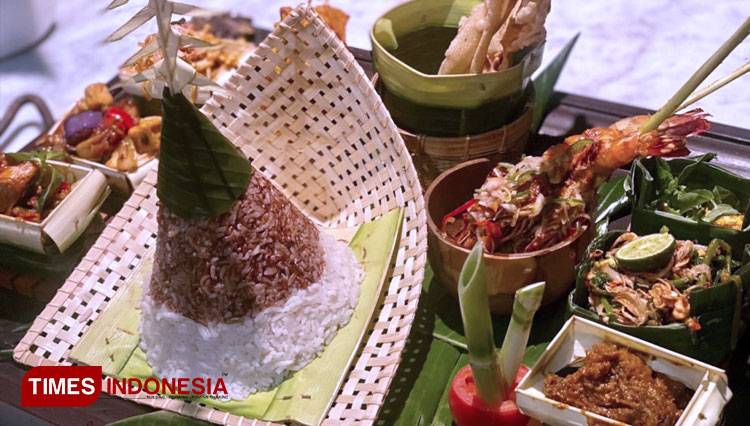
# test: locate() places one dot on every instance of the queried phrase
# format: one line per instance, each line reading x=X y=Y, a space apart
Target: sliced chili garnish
x=119 y=117
x=456 y=212
x=493 y=229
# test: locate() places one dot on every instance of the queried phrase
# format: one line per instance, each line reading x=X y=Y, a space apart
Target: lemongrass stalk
x=475 y=313
x=525 y=305
x=716 y=85
x=696 y=79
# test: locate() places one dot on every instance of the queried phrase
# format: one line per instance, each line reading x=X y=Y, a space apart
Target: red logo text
x=61 y=386
x=153 y=386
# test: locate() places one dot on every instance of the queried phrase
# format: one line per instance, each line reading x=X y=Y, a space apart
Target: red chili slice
x=493 y=229
x=119 y=117
x=456 y=212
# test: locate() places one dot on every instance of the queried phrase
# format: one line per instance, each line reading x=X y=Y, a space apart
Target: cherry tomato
x=469 y=410
x=119 y=117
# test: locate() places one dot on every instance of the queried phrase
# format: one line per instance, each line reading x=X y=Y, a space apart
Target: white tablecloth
x=635 y=52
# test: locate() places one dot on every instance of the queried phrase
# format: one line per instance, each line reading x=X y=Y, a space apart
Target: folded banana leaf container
x=408 y=45
x=694 y=173
x=63 y=225
x=714 y=307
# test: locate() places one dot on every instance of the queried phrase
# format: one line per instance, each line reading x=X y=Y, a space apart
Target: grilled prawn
x=545 y=200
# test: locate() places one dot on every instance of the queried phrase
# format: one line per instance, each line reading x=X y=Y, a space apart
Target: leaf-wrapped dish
x=694 y=199
x=701 y=320
x=410 y=41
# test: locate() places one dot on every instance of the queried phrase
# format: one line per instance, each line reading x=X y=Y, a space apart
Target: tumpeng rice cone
x=240 y=274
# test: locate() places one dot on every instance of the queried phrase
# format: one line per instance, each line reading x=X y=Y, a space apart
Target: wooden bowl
x=506 y=273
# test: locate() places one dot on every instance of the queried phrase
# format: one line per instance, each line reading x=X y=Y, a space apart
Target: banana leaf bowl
x=408 y=44
x=506 y=273
x=717 y=309
x=696 y=173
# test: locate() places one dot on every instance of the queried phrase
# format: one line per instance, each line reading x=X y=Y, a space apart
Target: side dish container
x=710 y=384
x=695 y=173
x=120 y=181
x=67 y=221
x=506 y=273
x=715 y=307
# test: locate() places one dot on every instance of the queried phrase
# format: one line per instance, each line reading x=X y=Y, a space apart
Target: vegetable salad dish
x=648 y=280
x=106 y=131
x=718 y=206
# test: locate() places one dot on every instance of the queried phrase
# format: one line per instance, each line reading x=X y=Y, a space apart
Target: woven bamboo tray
x=314 y=125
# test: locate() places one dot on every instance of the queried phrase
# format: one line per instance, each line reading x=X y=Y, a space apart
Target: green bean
x=680 y=283
x=712 y=252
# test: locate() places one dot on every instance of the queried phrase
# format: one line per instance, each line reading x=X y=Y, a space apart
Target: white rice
x=258 y=352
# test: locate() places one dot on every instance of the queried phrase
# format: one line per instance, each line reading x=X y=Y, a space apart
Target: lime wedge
x=647 y=253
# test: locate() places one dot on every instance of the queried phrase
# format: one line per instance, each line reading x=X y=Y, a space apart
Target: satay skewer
x=673 y=104
x=716 y=85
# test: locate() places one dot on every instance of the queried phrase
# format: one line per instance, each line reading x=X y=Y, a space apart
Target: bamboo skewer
x=716 y=85
x=673 y=104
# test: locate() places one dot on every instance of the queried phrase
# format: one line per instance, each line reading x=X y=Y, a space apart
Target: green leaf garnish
x=39 y=156
x=49 y=177
x=201 y=174
x=55 y=179
x=719 y=211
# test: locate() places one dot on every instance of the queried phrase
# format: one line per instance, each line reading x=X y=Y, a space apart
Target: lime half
x=647 y=253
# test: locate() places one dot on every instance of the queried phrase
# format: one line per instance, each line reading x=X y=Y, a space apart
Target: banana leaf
x=614 y=202
x=544 y=83
x=112 y=340
x=201 y=174
x=714 y=307
x=160 y=418
x=695 y=173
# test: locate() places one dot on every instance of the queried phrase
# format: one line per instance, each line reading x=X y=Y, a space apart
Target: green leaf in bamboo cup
x=646 y=253
x=479 y=394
